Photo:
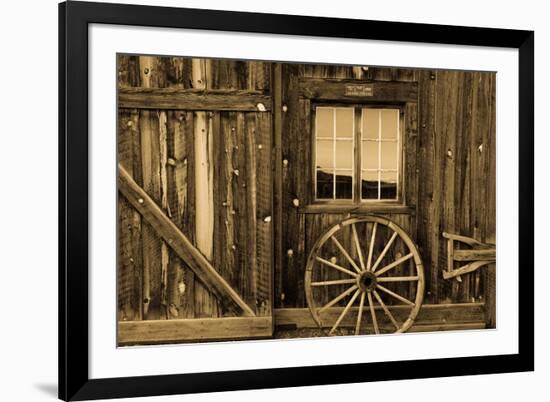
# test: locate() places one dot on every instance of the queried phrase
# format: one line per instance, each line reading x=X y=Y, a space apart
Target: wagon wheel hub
x=366 y=281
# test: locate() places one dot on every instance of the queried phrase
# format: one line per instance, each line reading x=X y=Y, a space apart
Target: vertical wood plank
x=205 y=303
x=249 y=280
x=428 y=222
x=264 y=210
x=129 y=226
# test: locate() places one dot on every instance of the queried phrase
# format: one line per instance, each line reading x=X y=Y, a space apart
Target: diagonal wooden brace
x=181 y=245
x=479 y=255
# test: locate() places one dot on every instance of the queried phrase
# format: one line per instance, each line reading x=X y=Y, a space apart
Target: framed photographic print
x=331 y=195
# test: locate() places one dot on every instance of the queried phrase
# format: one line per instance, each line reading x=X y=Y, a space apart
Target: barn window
x=357 y=154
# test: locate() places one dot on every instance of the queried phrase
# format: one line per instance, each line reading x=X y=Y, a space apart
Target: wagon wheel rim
x=365 y=277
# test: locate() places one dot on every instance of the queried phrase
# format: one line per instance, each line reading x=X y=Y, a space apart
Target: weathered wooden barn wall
x=210 y=171
x=179 y=156
x=449 y=174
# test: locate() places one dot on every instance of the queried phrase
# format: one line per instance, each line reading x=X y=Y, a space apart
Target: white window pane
x=324 y=125
x=370 y=123
x=344 y=122
x=389 y=123
x=344 y=154
x=324 y=154
x=388 y=155
x=370 y=154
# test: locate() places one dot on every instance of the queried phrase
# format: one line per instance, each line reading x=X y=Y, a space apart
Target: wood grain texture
x=166 y=229
x=430 y=314
x=192 y=99
x=338 y=90
x=195 y=330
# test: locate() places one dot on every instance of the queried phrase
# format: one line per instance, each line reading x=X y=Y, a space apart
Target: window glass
x=325 y=154
x=334 y=133
x=379 y=153
x=344 y=184
x=389 y=123
x=344 y=123
x=388 y=155
x=325 y=122
x=344 y=154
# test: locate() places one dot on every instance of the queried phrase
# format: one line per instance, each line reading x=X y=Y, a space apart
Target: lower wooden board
x=430 y=315
x=193 y=330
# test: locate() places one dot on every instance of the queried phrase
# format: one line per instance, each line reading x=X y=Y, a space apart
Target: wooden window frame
x=357 y=203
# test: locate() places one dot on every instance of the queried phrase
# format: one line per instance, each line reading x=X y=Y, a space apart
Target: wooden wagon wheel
x=365 y=276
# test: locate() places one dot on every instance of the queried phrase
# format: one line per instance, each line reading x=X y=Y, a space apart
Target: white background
x=28 y=202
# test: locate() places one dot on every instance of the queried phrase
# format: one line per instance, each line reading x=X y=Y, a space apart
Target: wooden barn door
x=195 y=200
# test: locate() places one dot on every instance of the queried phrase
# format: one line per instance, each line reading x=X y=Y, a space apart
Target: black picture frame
x=74 y=18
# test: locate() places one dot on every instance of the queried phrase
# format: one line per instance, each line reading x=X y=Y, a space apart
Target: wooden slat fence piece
x=193 y=99
x=198 y=330
x=166 y=229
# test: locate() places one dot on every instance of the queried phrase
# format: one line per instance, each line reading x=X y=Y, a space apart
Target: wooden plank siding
x=443 y=173
x=224 y=149
x=158 y=148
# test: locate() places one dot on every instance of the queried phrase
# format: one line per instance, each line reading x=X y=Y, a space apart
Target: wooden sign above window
x=339 y=89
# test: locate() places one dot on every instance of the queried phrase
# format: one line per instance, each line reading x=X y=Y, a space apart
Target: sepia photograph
x=274 y=200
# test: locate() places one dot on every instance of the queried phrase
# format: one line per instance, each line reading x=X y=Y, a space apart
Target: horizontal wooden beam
x=192 y=99
x=360 y=91
x=193 y=330
x=429 y=315
x=181 y=245
x=329 y=208
x=475 y=255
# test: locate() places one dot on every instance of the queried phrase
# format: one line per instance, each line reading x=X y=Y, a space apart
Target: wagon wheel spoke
x=383 y=253
x=371 y=244
x=360 y=313
x=394 y=264
x=335 y=282
x=398 y=279
x=344 y=312
x=335 y=266
x=386 y=310
x=343 y=251
x=398 y=297
x=337 y=298
x=358 y=246
x=372 y=313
